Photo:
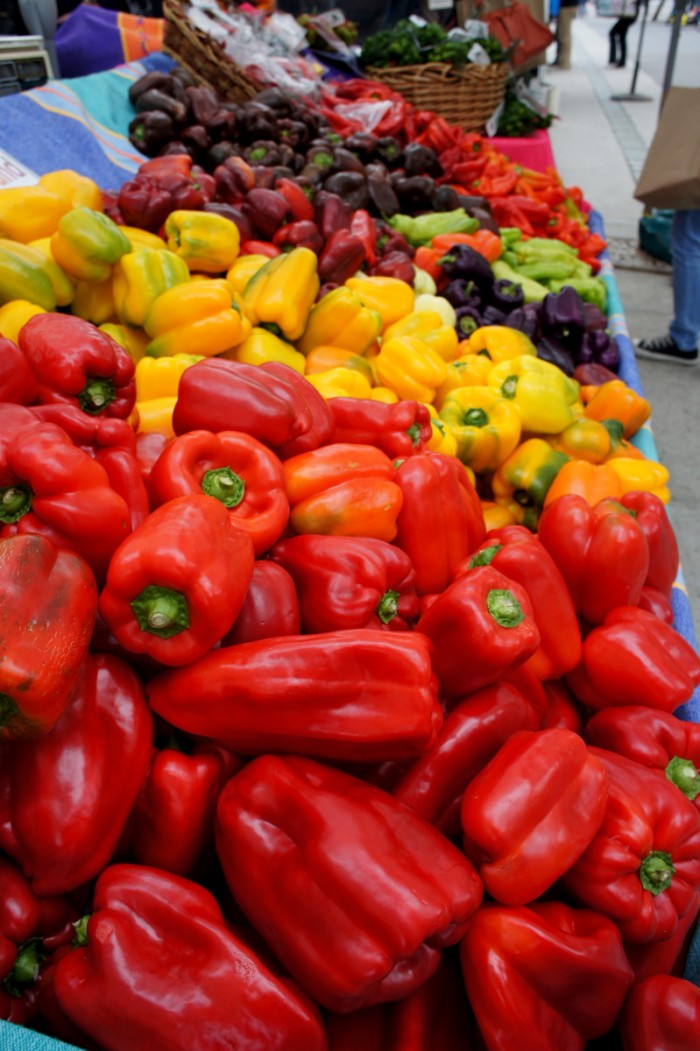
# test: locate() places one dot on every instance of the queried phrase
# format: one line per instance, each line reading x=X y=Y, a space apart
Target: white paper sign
x=14 y=173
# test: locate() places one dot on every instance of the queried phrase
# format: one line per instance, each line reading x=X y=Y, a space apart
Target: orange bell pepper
x=594 y=482
x=615 y=400
x=485 y=242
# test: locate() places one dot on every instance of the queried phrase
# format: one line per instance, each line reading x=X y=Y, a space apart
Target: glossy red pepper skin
x=24 y=914
x=48 y=607
x=433 y=785
x=441 y=521
x=653 y=738
x=234 y=468
x=62 y=807
x=51 y=488
x=171 y=826
x=656 y=602
x=562 y=708
x=357 y=695
x=600 y=551
x=668 y=956
x=349 y=582
x=642 y=867
x=400 y=429
x=555 y=973
x=315 y=405
x=176 y=585
x=635 y=658
x=481 y=628
x=662 y=1013
x=75 y=363
x=270 y=608
x=397 y=891
x=529 y=814
x=17 y=383
x=653 y=520
x=146 y=924
x=342 y=256
x=517 y=553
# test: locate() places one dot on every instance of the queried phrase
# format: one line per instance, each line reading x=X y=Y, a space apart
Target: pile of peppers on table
x=339 y=670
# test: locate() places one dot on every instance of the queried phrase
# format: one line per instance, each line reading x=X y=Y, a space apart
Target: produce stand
x=82 y=125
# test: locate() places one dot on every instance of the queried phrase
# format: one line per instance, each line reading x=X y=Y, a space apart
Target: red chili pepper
x=300 y=234
x=440 y=521
x=634 y=658
x=349 y=582
x=270 y=608
x=75 y=362
x=356 y=694
x=63 y=808
x=400 y=429
x=554 y=972
x=301 y=207
x=417 y=892
x=234 y=468
x=489 y=616
x=144 y=924
x=17 y=383
x=260 y=248
x=49 y=602
x=176 y=585
x=362 y=225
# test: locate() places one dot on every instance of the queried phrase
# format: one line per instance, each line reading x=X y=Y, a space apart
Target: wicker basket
x=466 y=96
x=203 y=57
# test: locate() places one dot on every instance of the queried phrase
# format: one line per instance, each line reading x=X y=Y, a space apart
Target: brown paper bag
x=670 y=177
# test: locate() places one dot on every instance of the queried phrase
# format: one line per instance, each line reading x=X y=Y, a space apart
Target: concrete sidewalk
x=600 y=144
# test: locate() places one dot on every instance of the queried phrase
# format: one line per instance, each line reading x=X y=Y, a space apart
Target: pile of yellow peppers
x=524 y=430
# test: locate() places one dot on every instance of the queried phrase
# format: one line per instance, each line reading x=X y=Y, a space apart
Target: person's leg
x=612 y=35
x=624 y=26
x=685 y=252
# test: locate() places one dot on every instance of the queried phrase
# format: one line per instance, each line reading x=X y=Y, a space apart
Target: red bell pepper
x=357 y=695
x=441 y=520
x=322 y=422
x=298 y=840
x=433 y=785
x=171 y=826
x=517 y=553
x=653 y=738
x=656 y=602
x=270 y=608
x=662 y=1013
x=160 y=969
x=363 y=226
x=234 y=468
x=481 y=627
x=400 y=429
x=642 y=867
x=635 y=658
x=300 y=234
x=532 y=811
x=63 y=807
x=51 y=488
x=300 y=205
x=17 y=383
x=176 y=585
x=24 y=914
x=47 y=616
x=342 y=256
x=562 y=708
x=547 y=974
x=653 y=520
x=75 y=362
x=668 y=956
x=349 y=582
x=600 y=551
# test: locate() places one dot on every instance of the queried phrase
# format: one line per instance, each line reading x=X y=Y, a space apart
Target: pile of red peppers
x=295 y=756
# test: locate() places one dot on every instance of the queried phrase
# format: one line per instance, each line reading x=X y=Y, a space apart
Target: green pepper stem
x=656 y=872
x=484 y=557
x=15 y=501
x=509 y=387
x=504 y=608
x=475 y=418
x=8 y=709
x=225 y=485
x=96 y=395
x=161 y=611
x=684 y=774
x=30 y=956
x=388 y=606
x=413 y=433
x=80 y=927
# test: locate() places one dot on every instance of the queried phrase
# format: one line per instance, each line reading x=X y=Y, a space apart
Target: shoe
x=665 y=348
x=619 y=65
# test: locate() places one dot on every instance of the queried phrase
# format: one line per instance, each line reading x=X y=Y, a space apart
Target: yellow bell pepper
x=160 y=377
x=410 y=368
x=545 y=397
x=77 y=190
x=26 y=272
x=584 y=439
x=260 y=346
x=239 y=274
x=615 y=400
x=470 y=370
x=28 y=212
x=94 y=301
x=207 y=242
x=647 y=475
x=195 y=318
x=139 y=238
x=486 y=426
x=155 y=416
x=323 y=358
x=432 y=304
x=140 y=277
x=521 y=483
x=341 y=383
x=280 y=295
x=390 y=297
x=14 y=316
x=442 y=439
x=496 y=516
x=500 y=343
x=429 y=326
x=340 y=319
x=133 y=340
x=87 y=244
x=389 y=397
